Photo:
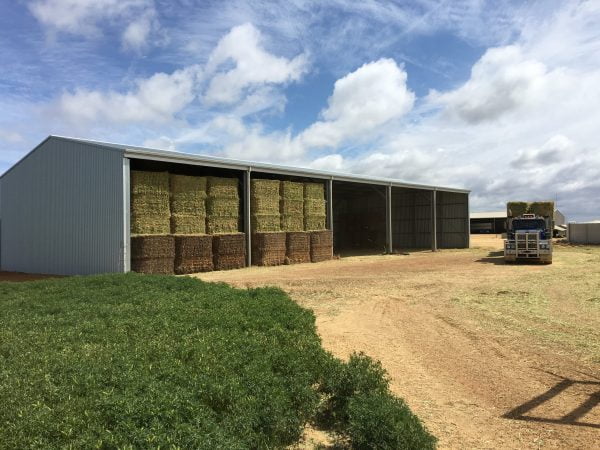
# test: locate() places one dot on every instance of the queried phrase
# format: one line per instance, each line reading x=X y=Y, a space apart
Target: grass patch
x=158 y=361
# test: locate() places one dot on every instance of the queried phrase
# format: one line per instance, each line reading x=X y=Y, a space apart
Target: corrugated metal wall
x=584 y=233
x=61 y=210
x=411 y=218
x=452 y=220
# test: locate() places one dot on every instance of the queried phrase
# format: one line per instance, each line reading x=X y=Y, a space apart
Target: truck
x=529 y=232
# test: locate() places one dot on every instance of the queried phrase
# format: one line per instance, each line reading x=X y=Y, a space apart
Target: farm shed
x=69 y=207
x=584 y=233
x=494 y=222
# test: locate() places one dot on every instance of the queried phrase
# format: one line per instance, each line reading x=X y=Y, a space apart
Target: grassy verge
x=158 y=361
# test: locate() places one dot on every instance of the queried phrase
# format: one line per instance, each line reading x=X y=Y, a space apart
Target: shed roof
x=489 y=215
x=137 y=152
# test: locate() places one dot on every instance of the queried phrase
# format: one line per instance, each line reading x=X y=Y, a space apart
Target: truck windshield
x=528 y=224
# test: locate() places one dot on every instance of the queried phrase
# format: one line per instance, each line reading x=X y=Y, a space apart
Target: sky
x=500 y=97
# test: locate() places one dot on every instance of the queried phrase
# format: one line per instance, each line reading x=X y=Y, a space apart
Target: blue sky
x=499 y=97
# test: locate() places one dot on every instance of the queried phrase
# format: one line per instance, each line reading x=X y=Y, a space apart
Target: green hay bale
x=515 y=209
x=545 y=209
x=150 y=224
x=188 y=195
x=150 y=203
x=314 y=223
x=149 y=182
x=262 y=223
x=291 y=190
x=292 y=222
x=314 y=207
x=264 y=205
x=223 y=207
x=293 y=207
x=314 y=191
x=222 y=225
x=188 y=224
x=265 y=188
x=223 y=187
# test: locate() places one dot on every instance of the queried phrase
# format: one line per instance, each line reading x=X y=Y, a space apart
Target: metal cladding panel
x=62 y=210
x=452 y=220
x=584 y=233
x=411 y=218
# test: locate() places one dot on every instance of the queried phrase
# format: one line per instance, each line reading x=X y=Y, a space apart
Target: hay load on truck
x=529 y=232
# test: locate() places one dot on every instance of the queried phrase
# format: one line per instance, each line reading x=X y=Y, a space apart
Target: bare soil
x=488 y=355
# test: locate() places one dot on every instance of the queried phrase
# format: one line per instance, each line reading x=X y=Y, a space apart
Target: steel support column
x=469 y=223
x=247 y=222
x=434 y=221
x=126 y=254
x=330 y=204
x=388 y=219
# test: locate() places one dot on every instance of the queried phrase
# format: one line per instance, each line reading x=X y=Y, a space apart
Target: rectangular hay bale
x=222 y=225
x=264 y=205
x=321 y=246
x=265 y=188
x=229 y=251
x=314 y=191
x=292 y=222
x=262 y=223
x=293 y=207
x=223 y=207
x=193 y=254
x=142 y=181
x=291 y=190
x=268 y=249
x=188 y=224
x=298 y=247
x=314 y=223
x=150 y=224
x=188 y=195
x=314 y=207
x=223 y=187
x=152 y=254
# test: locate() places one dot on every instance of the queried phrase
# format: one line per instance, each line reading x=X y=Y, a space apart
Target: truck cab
x=528 y=237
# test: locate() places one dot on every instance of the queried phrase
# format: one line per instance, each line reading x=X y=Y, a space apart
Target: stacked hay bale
x=314 y=206
x=515 y=209
x=222 y=205
x=544 y=209
x=298 y=247
x=264 y=206
x=193 y=254
x=229 y=251
x=268 y=249
x=152 y=254
x=188 y=204
x=150 y=206
x=321 y=246
x=292 y=206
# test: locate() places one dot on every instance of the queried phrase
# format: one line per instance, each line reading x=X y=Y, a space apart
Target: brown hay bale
x=264 y=205
x=152 y=254
x=193 y=254
x=188 y=224
x=268 y=249
x=314 y=191
x=223 y=207
x=223 y=187
x=150 y=224
x=263 y=223
x=292 y=222
x=292 y=207
x=314 y=223
x=298 y=247
x=229 y=251
x=314 y=207
x=321 y=246
x=265 y=188
x=291 y=190
x=222 y=225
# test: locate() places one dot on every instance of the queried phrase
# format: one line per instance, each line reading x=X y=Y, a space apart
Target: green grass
x=140 y=361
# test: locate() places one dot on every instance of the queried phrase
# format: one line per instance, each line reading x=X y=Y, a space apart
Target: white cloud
x=333 y=162
x=557 y=149
x=253 y=66
x=10 y=136
x=155 y=99
x=361 y=101
x=83 y=17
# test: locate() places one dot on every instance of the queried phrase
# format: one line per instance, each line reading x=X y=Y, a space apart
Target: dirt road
x=488 y=355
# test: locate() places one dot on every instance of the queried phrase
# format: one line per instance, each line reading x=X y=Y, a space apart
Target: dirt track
x=481 y=358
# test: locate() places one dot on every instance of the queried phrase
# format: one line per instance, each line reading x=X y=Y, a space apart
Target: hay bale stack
x=321 y=246
x=152 y=254
x=264 y=206
x=188 y=204
x=268 y=249
x=229 y=251
x=298 y=247
x=515 y=209
x=291 y=206
x=314 y=207
x=193 y=254
x=150 y=206
x=222 y=205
